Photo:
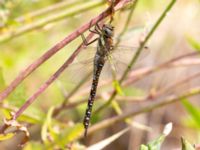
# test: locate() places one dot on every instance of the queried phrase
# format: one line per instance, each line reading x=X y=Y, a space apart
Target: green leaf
x=193 y=111
x=47 y=126
x=156 y=144
x=72 y=133
x=30 y=119
x=64 y=135
x=6 y=136
x=6 y=112
x=190 y=122
x=193 y=43
x=30 y=116
x=186 y=145
x=118 y=87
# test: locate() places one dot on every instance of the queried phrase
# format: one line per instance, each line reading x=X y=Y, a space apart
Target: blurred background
x=29 y=28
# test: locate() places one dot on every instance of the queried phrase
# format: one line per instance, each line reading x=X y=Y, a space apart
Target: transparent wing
x=123 y=54
x=119 y=61
x=120 y=53
x=76 y=72
x=79 y=68
x=86 y=54
x=83 y=64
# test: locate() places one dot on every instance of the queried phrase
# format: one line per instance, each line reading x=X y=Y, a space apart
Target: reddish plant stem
x=137 y=75
x=44 y=86
x=163 y=65
x=55 y=49
x=167 y=101
x=168 y=88
x=46 y=56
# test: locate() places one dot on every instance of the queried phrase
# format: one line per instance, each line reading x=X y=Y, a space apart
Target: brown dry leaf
x=19 y=128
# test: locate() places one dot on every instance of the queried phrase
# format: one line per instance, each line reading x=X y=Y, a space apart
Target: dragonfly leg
x=95 y=31
x=97 y=28
x=86 y=42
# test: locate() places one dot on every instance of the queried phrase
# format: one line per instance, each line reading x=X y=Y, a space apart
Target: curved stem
x=138 y=75
x=55 y=49
x=126 y=23
x=116 y=119
x=47 y=10
x=52 y=18
x=139 y=50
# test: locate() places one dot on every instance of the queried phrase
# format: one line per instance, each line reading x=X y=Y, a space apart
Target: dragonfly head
x=108 y=30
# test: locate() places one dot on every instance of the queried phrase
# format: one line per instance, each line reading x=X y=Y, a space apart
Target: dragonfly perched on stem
x=104 y=48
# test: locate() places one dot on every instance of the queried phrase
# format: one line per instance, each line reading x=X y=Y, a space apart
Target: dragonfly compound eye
x=108 y=32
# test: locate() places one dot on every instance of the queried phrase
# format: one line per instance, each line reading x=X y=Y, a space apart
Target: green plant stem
x=115 y=105
x=47 y=10
x=166 y=65
x=139 y=50
x=52 y=18
x=116 y=119
x=126 y=23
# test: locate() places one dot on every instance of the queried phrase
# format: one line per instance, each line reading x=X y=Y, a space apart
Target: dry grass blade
x=102 y=144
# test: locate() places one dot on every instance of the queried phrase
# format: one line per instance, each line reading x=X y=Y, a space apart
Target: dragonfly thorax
x=105 y=42
x=108 y=30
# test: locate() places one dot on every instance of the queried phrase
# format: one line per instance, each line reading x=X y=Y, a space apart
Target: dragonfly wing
x=119 y=61
x=87 y=53
x=76 y=72
x=81 y=66
x=124 y=54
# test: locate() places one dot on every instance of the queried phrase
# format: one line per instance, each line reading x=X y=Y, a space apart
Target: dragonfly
x=104 y=48
x=104 y=51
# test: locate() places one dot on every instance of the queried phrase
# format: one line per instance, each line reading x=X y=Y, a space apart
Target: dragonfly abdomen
x=91 y=98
